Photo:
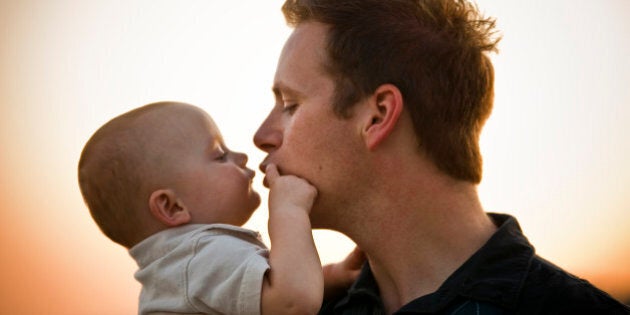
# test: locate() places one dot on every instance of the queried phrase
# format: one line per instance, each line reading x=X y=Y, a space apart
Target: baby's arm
x=294 y=284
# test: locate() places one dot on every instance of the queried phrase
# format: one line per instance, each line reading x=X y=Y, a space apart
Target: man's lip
x=263 y=166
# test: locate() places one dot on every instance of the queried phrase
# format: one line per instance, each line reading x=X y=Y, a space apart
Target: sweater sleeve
x=225 y=274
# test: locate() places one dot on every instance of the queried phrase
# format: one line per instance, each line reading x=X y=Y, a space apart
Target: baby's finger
x=271 y=173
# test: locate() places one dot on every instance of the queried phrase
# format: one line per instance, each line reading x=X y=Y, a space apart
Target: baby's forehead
x=185 y=122
x=171 y=116
x=150 y=134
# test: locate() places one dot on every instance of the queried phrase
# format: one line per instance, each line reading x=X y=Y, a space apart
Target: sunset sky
x=556 y=148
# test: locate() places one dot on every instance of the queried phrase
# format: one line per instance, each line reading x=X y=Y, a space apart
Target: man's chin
x=317 y=221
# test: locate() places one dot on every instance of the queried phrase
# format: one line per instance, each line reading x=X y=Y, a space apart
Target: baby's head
x=159 y=166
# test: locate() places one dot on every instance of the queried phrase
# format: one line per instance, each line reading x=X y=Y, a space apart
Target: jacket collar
x=495 y=273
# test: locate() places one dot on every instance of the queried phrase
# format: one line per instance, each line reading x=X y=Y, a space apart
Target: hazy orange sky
x=555 y=148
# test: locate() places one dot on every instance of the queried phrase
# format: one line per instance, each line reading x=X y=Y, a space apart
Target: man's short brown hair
x=434 y=51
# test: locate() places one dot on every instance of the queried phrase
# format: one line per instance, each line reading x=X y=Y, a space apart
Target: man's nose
x=268 y=137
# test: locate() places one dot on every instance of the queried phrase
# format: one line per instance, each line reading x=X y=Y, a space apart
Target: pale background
x=556 y=148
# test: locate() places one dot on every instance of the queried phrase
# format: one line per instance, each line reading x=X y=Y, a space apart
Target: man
x=379 y=104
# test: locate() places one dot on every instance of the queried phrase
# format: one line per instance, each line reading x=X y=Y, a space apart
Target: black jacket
x=504 y=277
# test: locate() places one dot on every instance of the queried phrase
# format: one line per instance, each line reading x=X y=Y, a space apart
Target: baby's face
x=212 y=181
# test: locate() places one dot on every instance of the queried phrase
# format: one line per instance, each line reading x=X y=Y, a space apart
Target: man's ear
x=385 y=107
x=167 y=208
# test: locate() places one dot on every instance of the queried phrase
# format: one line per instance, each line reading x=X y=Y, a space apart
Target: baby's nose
x=240 y=159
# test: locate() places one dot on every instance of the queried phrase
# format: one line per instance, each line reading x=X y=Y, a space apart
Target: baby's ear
x=167 y=208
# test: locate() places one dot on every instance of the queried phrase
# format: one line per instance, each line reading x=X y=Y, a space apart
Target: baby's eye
x=222 y=156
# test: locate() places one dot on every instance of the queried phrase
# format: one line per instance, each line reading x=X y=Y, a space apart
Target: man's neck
x=414 y=244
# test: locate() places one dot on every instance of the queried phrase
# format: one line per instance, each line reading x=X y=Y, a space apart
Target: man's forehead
x=307 y=37
x=303 y=55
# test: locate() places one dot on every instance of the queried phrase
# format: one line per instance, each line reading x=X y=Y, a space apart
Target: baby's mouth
x=251 y=174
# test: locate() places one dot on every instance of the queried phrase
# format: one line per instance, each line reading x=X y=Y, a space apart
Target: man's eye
x=290 y=108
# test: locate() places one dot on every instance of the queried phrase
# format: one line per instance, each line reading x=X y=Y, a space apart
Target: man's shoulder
x=553 y=290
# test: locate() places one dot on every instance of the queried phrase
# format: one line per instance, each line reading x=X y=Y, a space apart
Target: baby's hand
x=288 y=191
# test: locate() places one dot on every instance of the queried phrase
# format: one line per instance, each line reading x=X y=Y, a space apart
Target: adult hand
x=338 y=277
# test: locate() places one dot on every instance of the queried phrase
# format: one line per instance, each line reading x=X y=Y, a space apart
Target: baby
x=160 y=181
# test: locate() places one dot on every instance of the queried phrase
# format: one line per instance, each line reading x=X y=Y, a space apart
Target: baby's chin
x=258 y=200
x=255 y=200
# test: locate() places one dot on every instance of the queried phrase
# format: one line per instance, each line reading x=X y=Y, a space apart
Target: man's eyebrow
x=279 y=89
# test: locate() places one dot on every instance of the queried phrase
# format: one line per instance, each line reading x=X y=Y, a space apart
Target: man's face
x=302 y=135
